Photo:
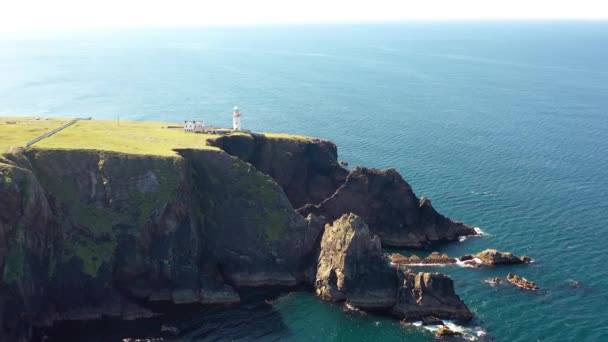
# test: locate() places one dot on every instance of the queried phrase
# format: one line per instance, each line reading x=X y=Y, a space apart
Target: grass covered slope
x=133 y=137
x=24 y=129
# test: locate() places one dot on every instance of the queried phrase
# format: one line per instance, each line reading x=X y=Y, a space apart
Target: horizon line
x=101 y=28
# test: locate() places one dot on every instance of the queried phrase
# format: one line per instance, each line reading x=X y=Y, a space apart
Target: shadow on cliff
x=253 y=319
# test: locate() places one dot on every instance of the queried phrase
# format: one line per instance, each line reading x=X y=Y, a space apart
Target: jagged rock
x=391 y=209
x=307 y=169
x=352 y=267
x=430 y=320
x=429 y=294
x=521 y=282
x=466 y=257
x=445 y=331
x=434 y=258
x=495 y=257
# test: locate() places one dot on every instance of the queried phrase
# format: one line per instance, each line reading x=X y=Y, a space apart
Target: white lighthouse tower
x=236 y=119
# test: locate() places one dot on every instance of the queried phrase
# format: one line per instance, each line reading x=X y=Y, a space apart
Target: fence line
x=48 y=134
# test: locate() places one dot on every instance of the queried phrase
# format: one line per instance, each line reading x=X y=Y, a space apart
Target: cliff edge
x=89 y=233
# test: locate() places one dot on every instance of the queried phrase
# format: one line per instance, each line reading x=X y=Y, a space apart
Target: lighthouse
x=236 y=119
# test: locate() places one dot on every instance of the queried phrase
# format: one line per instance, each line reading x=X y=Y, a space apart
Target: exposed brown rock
x=521 y=282
x=434 y=258
x=445 y=331
x=429 y=294
x=391 y=209
x=495 y=257
x=351 y=268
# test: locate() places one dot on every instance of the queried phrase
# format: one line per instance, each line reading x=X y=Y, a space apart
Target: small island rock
x=434 y=258
x=522 y=282
x=495 y=257
x=444 y=331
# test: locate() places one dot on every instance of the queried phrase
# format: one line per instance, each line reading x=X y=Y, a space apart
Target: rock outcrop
x=494 y=257
x=434 y=258
x=352 y=268
x=429 y=294
x=307 y=169
x=445 y=331
x=391 y=209
x=488 y=257
x=522 y=282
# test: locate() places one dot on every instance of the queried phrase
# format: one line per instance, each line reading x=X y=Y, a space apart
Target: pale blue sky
x=41 y=15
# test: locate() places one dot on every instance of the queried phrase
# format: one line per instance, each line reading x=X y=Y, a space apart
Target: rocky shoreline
x=488 y=257
x=87 y=234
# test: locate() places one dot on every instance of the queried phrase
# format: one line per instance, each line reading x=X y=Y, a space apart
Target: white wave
x=469 y=334
x=420 y=264
x=460 y=263
x=478 y=233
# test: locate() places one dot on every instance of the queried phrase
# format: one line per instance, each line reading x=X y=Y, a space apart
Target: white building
x=195 y=126
x=189 y=126
x=236 y=119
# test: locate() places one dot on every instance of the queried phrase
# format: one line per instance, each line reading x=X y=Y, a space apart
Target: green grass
x=133 y=137
x=26 y=129
x=287 y=136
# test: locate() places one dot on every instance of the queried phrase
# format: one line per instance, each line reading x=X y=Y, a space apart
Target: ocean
x=504 y=125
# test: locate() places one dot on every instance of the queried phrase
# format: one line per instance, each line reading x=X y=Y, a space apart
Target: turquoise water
x=504 y=125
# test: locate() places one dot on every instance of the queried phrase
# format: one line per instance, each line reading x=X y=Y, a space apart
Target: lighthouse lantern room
x=236 y=119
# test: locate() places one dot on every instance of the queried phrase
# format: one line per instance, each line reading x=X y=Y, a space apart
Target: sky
x=44 y=15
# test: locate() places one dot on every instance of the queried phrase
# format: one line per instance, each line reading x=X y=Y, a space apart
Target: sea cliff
x=92 y=233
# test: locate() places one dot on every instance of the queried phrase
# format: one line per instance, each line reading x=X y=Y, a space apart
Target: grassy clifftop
x=132 y=137
x=16 y=131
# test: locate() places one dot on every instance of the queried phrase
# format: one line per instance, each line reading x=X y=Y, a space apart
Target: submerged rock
x=521 y=282
x=352 y=268
x=493 y=281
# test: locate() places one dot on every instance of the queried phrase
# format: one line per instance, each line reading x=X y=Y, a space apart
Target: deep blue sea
x=504 y=125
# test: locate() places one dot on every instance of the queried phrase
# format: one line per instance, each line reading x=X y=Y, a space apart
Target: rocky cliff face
x=352 y=268
x=88 y=234
x=387 y=203
x=307 y=170
x=83 y=234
